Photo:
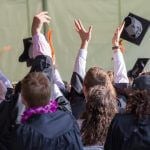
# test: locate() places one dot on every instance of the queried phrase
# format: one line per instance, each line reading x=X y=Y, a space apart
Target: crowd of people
x=97 y=110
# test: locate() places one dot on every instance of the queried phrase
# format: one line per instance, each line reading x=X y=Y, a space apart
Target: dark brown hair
x=138 y=103
x=97 y=76
x=35 y=89
x=100 y=109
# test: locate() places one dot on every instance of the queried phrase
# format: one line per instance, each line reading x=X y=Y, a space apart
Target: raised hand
x=117 y=34
x=38 y=21
x=84 y=35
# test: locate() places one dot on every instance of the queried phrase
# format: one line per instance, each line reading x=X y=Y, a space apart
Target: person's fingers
x=44 y=20
x=39 y=15
x=81 y=26
x=118 y=29
x=115 y=36
x=90 y=29
x=43 y=13
x=77 y=25
x=121 y=27
x=47 y=17
x=117 y=32
x=76 y=29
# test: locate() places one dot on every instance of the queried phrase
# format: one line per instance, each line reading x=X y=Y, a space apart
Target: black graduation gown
x=52 y=131
x=43 y=64
x=8 y=115
x=121 y=97
x=8 y=108
x=76 y=96
x=126 y=132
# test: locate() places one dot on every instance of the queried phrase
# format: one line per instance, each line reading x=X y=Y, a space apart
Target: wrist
x=115 y=47
x=36 y=29
x=115 y=44
x=84 y=45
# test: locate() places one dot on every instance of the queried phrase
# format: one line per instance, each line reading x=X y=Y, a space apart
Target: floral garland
x=49 y=108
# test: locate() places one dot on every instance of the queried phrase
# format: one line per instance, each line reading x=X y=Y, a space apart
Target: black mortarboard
x=138 y=67
x=24 y=57
x=135 y=28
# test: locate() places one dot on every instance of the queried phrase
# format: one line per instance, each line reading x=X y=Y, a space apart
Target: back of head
x=97 y=76
x=100 y=109
x=35 y=89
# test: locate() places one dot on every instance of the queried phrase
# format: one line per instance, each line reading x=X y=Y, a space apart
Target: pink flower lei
x=49 y=108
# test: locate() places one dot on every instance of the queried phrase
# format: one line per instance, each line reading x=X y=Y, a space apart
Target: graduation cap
x=24 y=57
x=138 y=67
x=135 y=28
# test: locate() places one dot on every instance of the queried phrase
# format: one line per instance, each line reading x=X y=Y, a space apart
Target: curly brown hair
x=100 y=109
x=138 y=103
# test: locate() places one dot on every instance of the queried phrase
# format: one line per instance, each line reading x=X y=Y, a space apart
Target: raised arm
x=85 y=37
x=43 y=58
x=80 y=62
x=76 y=94
x=40 y=44
x=120 y=72
x=41 y=51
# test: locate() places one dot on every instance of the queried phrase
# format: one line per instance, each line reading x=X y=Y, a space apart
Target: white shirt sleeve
x=120 y=72
x=80 y=63
x=40 y=46
x=58 y=80
x=5 y=80
x=56 y=92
